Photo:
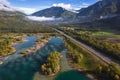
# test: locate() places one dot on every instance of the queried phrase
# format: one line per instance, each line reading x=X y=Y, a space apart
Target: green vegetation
x=74 y=54
x=6 y=49
x=109 y=72
x=84 y=58
x=99 y=33
x=18 y=24
x=52 y=65
x=91 y=63
x=106 y=42
x=6 y=43
x=11 y=26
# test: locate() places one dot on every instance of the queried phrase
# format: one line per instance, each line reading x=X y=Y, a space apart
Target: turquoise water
x=71 y=75
x=29 y=42
x=16 y=67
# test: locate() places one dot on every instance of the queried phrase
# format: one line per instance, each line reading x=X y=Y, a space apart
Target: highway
x=94 y=52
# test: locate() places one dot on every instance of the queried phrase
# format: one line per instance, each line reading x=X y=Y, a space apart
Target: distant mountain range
x=56 y=12
x=101 y=9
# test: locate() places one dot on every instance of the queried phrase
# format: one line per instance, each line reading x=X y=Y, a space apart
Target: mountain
x=56 y=12
x=101 y=8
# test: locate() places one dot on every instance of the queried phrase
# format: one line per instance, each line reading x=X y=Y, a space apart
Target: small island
x=52 y=64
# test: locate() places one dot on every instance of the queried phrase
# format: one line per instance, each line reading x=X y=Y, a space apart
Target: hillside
x=101 y=8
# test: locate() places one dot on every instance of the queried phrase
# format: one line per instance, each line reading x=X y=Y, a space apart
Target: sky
x=30 y=6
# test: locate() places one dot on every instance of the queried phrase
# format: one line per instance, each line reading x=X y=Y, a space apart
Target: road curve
x=94 y=52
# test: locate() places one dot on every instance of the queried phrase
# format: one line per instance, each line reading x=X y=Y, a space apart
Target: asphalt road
x=94 y=52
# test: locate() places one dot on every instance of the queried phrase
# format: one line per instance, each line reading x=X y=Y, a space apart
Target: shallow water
x=71 y=75
x=16 y=67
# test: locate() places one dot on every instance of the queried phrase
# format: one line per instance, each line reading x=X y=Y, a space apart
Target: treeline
x=73 y=52
x=52 y=65
x=101 y=71
x=109 y=72
x=112 y=50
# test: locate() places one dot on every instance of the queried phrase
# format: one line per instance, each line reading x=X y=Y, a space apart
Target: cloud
x=4 y=2
x=26 y=10
x=66 y=6
x=83 y=5
x=35 y=18
x=5 y=5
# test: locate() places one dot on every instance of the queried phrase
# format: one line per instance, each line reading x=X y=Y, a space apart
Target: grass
x=110 y=36
x=89 y=61
x=99 y=33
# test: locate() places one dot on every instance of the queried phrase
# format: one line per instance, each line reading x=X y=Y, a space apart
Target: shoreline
x=80 y=69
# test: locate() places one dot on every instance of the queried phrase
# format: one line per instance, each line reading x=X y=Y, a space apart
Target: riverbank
x=87 y=64
x=81 y=69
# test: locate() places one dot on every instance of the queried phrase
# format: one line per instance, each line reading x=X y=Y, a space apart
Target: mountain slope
x=56 y=12
x=101 y=8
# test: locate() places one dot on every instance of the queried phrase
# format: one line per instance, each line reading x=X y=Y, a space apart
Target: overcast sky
x=30 y=6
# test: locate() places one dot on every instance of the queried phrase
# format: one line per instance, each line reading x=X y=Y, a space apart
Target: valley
x=76 y=41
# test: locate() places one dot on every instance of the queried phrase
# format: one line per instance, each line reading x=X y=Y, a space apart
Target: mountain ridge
x=56 y=12
x=101 y=8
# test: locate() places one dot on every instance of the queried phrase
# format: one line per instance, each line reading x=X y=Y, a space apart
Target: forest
x=19 y=24
x=109 y=72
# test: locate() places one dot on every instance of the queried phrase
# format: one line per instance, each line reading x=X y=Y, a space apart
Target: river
x=16 y=67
